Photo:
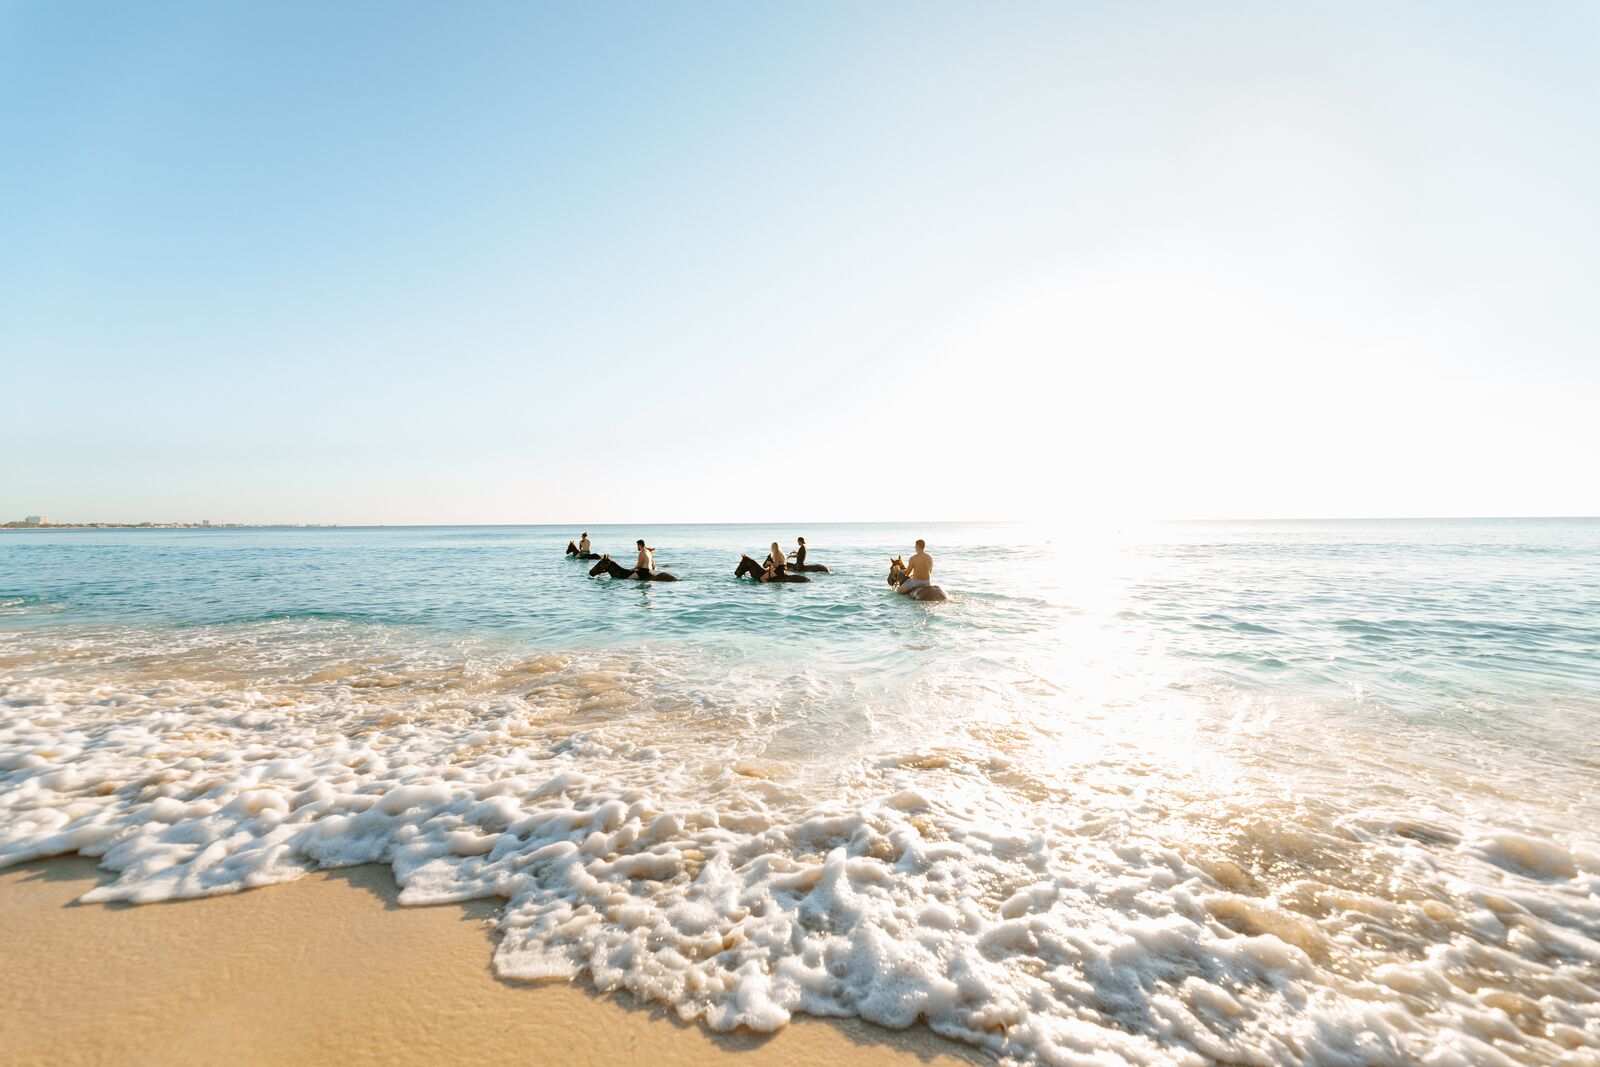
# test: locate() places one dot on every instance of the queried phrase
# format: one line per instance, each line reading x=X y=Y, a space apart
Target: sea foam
x=642 y=836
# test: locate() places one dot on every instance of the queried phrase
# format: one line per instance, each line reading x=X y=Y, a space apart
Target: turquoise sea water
x=1425 y=609
x=1214 y=790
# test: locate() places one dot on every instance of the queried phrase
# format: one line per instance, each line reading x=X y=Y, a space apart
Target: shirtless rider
x=919 y=568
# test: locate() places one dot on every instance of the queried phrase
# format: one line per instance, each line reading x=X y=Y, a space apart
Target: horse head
x=572 y=549
x=748 y=568
x=603 y=567
x=897 y=571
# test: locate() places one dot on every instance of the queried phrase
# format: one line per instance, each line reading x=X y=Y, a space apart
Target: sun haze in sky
x=718 y=262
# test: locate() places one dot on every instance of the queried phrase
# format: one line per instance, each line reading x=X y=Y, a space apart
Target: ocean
x=1182 y=793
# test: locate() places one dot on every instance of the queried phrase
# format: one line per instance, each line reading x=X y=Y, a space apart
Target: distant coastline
x=25 y=525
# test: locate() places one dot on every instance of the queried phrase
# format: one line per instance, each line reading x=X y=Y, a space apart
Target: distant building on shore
x=35 y=520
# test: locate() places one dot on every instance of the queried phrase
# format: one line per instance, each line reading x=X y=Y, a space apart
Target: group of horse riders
x=915 y=573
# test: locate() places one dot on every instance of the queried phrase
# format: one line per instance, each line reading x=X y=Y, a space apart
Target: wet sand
x=325 y=970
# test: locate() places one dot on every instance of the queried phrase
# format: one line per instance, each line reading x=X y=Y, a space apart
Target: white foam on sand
x=650 y=828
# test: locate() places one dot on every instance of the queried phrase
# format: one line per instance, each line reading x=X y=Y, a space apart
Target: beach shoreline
x=327 y=969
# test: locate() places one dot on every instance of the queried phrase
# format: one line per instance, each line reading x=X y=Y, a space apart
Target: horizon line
x=363 y=525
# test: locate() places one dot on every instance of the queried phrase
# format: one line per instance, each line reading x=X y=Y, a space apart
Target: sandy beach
x=324 y=970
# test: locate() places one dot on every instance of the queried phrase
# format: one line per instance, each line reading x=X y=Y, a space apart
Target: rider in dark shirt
x=799 y=554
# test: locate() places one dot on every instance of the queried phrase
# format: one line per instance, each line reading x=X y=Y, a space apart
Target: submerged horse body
x=800 y=564
x=611 y=567
x=898 y=574
x=749 y=568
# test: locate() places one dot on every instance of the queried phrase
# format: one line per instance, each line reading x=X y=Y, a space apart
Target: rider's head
x=640 y=542
x=801 y=540
x=921 y=544
x=774 y=546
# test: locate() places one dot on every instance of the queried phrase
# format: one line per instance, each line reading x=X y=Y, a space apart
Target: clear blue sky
x=487 y=262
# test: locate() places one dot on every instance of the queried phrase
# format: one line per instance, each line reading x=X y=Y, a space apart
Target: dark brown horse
x=897 y=575
x=749 y=568
x=572 y=550
x=609 y=566
x=800 y=563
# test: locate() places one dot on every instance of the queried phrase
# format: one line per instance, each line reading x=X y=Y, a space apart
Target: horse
x=897 y=575
x=800 y=565
x=749 y=568
x=609 y=566
x=572 y=551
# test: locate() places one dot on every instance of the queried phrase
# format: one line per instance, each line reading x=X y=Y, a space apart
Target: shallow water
x=1245 y=793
